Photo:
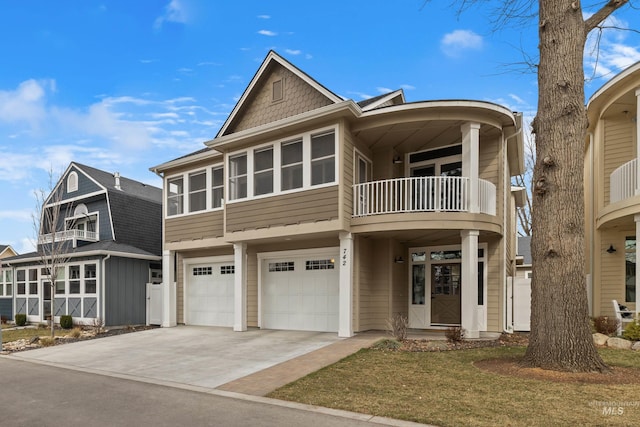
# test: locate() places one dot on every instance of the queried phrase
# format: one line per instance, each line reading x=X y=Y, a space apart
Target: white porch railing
x=90 y=236
x=623 y=182
x=422 y=194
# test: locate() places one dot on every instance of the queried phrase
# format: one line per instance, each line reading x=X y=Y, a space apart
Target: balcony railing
x=623 y=181
x=422 y=194
x=90 y=236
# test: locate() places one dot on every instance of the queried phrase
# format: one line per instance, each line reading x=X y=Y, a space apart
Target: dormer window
x=72 y=182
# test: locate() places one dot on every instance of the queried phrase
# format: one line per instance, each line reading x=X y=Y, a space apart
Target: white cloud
x=267 y=33
x=606 y=50
x=458 y=41
x=26 y=246
x=408 y=87
x=384 y=90
x=26 y=103
x=264 y=17
x=22 y=215
x=174 y=12
x=293 y=52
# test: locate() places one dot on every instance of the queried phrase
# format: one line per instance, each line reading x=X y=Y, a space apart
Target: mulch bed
x=505 y=340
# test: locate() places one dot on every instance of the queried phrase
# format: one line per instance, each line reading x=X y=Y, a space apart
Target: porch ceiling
x=624 y=108
x=415 y=238
x=416 y=136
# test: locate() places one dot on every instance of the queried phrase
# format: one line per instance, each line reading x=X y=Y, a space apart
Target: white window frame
x=72 y=182
x=186 y=194
x=204 y=190
x=277 y=164
x=168 y=195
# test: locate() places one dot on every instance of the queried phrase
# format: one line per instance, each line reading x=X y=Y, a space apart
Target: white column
x=168 y=289
x=345 y=322
x=471 y=161
x=240 y=287
x=469 y=290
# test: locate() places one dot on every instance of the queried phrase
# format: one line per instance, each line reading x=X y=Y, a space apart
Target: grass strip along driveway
x=447 y=389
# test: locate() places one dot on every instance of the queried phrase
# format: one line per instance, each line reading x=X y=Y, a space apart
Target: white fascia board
x=184 y=161
x=91 y=254
x=384 y=99
x=283 y=124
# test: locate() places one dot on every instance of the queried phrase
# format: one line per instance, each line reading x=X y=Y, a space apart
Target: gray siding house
x=111 y=229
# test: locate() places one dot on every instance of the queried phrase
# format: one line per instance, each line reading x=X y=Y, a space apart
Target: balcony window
x=217 y=187
x=175 y=196
x=263 y=171
x=197 y=191
x=323 y=158
x=291 y=174
x=238 y=177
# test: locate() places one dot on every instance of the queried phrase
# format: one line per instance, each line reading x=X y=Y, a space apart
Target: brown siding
x=618 y=149
x=194 y=227
x=259 y=108
x=375 y=285
x=294 y=208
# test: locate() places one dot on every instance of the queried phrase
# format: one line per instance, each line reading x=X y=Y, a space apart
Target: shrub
x=98 y=325
x=75 y=332
x=606 y=325
x=632 y=331
x=47 y=341
x=398 y=325
x=386 y=344
x=454 y=334
x=21 y=319
x=4 y=319
x=66 y=322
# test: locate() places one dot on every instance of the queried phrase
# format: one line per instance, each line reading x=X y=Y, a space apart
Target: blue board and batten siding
x=6 y=308
x=125 y=291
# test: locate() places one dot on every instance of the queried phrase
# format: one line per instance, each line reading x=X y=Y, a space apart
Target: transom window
x=300 y=163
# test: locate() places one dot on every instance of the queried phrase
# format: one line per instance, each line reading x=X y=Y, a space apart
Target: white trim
x=74 y=199
x=72 y=187
x=208 y=169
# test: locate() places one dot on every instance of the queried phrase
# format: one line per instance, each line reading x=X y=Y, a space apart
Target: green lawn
x=446 y=389
x=16 y=334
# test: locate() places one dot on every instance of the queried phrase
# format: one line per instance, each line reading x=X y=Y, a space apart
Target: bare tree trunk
x=560 y=332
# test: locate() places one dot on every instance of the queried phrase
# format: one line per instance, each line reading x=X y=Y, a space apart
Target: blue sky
x=126 y=85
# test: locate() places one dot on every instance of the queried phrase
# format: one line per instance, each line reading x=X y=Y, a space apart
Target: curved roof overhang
x=616 y=97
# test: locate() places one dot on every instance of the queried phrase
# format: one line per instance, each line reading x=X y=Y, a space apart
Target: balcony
x=623 y=182
x=423 y=194
x=75 y=235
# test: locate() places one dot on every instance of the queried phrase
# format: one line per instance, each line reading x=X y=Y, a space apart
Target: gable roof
x=7 y=250
x=127 y=186
x=395 y=97
x=273 y=58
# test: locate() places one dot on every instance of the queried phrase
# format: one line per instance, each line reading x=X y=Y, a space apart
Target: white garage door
x=209 y=294
x=300 y=293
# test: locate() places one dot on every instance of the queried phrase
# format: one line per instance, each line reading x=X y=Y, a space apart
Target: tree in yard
x=52 y=245
x=560 y=335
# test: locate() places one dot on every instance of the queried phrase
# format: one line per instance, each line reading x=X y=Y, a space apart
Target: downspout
x=104 y=286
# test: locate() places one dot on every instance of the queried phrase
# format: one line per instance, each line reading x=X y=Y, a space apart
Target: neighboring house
x=612 y=193
x=522 y=286
x=523 y=259
x=112 y=226
x=6 y=285
x=308 y=211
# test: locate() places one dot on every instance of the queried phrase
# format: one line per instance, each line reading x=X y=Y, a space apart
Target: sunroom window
x=291 y=165
x=217 y=187
x=197 y=191
x=323 y=158
x=175 y=196
x=238 y=177
x=263 y=171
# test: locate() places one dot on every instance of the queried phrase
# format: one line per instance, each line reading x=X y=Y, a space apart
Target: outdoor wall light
x=399 y=260
x=611 y=249
x=397 y=160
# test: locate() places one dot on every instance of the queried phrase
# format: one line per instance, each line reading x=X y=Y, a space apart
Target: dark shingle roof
x=3 y=247
x=128 y=186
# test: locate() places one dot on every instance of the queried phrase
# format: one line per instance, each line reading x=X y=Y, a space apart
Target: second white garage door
x=300 y=292
x=209 y=294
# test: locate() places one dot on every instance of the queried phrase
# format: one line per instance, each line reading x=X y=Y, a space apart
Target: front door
x=445 y=294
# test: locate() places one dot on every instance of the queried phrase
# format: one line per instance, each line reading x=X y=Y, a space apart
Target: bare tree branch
x=596 y=19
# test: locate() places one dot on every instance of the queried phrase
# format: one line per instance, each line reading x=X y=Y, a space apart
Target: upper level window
x=299 y=163
x=291 y=165
x=72 y=182
x=217 y=186
x=323 y=158
x=238 y=177
x=175 y=196
x=263 y=171
x=197 y=191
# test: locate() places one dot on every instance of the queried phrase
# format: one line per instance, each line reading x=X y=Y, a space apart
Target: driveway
x=196 y=356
